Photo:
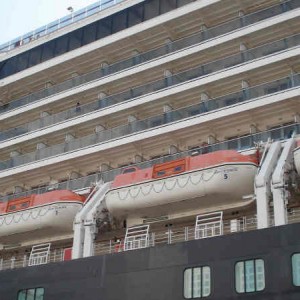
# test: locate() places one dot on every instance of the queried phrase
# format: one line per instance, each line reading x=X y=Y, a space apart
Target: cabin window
x=12 y=207
x=296 y=269
x=197 y=282
x=161 y=173
x=31 y=294
x=178 y=168
x=129 y=170
x=25 y=205
x=250 y=276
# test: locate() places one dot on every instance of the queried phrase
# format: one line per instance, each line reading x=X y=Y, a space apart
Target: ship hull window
x=197 y=282
x=296 y=269
x=249 y=276
x=31 y=294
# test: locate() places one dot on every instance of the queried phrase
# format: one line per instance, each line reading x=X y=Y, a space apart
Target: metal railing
x=159 y=120
x=241 y=143
x=58 y=24
x=171 y=235
x=180 y=44
x=22 y=259
x=179 y=78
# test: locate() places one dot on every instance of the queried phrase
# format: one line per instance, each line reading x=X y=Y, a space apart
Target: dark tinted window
x=151 y=9
x=104 y=28
x=75 y=39
x=34 y=56
x=100 y=29
x=136 y=15
x=119 y=21
x=167 y=5
x=23 y=61
x=89 y=34
x=48 y=50
x=61 y=45
x=129 y=170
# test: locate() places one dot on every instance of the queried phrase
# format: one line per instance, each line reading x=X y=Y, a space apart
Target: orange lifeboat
x=208 y=182
x=38 y=217
x=297 y=157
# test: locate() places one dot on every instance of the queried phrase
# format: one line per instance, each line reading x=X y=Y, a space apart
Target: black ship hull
x=158 y=273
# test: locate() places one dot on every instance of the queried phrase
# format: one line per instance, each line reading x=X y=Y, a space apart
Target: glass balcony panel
x=156 y=52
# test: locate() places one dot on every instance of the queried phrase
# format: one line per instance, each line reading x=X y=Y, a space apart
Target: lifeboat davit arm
x=85 y=223
x=263 y=184
x=279 y=182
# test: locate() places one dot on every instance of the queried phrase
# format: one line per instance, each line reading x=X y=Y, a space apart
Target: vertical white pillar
x=279 y=206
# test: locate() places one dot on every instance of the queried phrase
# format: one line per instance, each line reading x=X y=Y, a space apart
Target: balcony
x=171 y=47
x=168 y=82
x=154 y=122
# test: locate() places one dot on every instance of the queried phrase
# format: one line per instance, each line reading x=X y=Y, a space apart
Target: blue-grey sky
x=18 y=17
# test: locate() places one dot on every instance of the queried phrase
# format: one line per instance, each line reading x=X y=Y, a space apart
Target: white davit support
x=279 y=181
x=85 y=222
x=39 y=255
x=209 y=225
x=262 y=184
x=136 y=237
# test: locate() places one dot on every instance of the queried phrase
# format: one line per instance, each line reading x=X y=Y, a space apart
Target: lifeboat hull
x=297 y=159
x=53 y=219
x=226 y=183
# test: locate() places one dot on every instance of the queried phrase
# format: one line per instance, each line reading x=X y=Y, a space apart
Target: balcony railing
x=175 y=115
x=153 y=122
x=159 y=85
x=241 y=143
x=58 y=24
x=180 y=44
x=169 y=236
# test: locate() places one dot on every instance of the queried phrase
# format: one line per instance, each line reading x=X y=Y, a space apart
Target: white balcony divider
x=209 y=225
x=39 y=254
x=136 y=237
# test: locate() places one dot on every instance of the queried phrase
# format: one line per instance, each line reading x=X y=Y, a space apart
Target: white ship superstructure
x=141 y=83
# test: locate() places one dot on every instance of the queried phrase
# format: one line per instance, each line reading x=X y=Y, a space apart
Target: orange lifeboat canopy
x=41 y=199
x=135 y=175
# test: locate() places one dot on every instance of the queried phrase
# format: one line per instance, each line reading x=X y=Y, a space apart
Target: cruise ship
x=150 y=149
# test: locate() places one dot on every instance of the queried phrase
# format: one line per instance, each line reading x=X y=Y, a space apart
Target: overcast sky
x=18 y=17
